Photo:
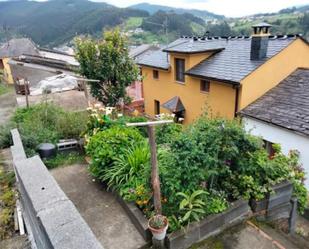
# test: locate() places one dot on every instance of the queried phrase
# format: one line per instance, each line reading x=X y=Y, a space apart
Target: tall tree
x=108 y=61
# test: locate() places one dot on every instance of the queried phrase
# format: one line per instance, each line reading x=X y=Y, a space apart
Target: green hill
x=57 y=21
x=153 y=8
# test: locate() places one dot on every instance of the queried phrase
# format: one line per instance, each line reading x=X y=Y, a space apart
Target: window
x=156 y=107
x=204 y=86
x=269 y=148
x=180 y=70
x=155 y=74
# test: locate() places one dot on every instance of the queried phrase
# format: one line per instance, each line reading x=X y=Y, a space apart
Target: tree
x=108 y=61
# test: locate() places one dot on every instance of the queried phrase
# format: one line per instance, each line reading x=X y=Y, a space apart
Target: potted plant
x=158 y=225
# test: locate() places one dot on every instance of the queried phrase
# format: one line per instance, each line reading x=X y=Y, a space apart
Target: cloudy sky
x=225 y=7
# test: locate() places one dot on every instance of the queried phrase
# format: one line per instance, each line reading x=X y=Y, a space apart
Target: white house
x=282 y=116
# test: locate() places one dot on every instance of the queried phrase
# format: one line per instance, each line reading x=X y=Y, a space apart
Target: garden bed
x=195 y=232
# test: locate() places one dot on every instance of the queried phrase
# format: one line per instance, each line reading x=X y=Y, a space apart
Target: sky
x=230 y=8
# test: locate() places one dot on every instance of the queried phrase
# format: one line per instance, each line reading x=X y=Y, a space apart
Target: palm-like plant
x=193 y=205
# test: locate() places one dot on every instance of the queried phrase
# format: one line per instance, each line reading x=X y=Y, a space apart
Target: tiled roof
x=286 y=105
x=18 y=47
x=156 y=59
x=233 y=63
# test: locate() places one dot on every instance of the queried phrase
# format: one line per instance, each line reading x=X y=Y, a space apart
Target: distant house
x=221 y=74
x=47 y=63
x=135 y=91
x=15 y=48
x=282 y=116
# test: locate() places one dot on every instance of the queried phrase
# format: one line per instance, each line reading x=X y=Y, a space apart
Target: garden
x=46 y=122
x=203 y=168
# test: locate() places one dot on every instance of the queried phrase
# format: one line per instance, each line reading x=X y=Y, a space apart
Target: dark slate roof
x=157 y=59
x=191 y=46
x=18 y=47
x=286 y=105
x=231 y=60
x=233 y=63
x=174 y=105
x=136 y=52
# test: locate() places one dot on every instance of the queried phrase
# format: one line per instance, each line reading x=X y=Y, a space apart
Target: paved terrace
x=99 y=208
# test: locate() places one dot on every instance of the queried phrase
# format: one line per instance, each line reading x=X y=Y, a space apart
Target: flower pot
x=158 y=233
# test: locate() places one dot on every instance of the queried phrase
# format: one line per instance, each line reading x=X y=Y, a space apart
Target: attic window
x=180 y=70
x=155 y=74
x=204 y=86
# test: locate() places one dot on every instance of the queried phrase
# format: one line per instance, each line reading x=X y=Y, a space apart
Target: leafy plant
x=133 y=163
x=192 y=205
x=106 y=145
x=158 y=222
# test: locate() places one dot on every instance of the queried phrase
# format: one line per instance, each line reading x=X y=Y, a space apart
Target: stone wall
x=51 y=218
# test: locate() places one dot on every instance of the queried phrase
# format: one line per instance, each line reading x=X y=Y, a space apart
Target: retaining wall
x=51 y=218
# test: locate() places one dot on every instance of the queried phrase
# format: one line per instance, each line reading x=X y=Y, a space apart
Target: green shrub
x=104 y=146
x=47 y=123
x=167 y=132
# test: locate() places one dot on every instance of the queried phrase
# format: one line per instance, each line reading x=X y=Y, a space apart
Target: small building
x=14 y=48
x=281 y=116
x=222 y=75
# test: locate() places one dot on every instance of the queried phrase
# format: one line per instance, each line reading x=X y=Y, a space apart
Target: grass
x=4 y=89
x=64 y=159
x=7 y=202
x=133 y=23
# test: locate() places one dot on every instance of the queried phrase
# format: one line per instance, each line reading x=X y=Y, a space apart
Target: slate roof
x=286 y=105
x=174 y=105
x=233 y=63
x=230 y=63
x=18 y=47
x=157 y=59
x=189 y=46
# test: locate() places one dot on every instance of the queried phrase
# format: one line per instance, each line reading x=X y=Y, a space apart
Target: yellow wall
x=273 y=72
x=7 y=71
x=220 y=99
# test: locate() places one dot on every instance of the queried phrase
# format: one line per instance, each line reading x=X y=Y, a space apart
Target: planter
x=158 y=233
x=281 y=196
x=209 y=226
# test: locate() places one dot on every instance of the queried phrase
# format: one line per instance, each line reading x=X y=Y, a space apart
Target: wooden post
x=155 y=180
x=26 y=86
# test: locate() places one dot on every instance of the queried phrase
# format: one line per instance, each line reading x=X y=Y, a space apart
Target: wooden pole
x=26 y=86
x=155 y=181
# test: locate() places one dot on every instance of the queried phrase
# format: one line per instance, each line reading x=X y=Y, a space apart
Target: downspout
x=236 y=87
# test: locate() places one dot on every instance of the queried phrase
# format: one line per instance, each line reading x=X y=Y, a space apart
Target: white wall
x=287 y=139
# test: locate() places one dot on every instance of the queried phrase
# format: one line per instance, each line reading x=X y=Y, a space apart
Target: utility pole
x=155 y=180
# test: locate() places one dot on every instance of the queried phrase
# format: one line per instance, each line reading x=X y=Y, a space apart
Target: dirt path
x=99 y=208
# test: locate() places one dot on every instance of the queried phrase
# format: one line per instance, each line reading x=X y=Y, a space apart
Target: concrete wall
x=51 y=218
x=287 y=139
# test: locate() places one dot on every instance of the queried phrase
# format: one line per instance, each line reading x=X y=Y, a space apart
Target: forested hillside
x=57 y=21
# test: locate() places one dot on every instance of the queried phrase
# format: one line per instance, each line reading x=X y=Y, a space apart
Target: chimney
x=259 y=41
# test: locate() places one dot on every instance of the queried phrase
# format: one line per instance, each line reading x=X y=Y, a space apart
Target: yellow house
x=219 y=75
x=11 y=49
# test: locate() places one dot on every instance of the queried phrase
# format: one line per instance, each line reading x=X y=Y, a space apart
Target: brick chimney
x=259 y=41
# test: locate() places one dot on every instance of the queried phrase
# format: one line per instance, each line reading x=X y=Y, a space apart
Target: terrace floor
x=100 y=209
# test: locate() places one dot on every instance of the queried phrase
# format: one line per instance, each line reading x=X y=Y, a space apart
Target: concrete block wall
x=51 y=217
